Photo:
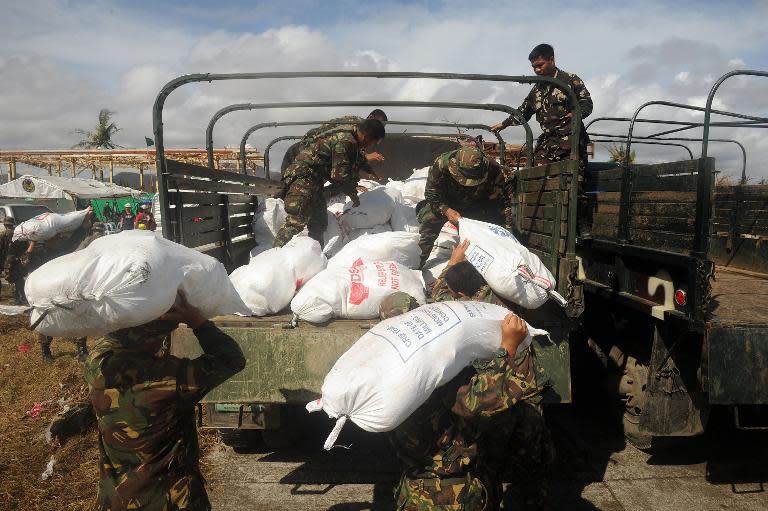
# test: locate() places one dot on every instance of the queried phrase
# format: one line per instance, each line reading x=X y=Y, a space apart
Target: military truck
x=638 y=278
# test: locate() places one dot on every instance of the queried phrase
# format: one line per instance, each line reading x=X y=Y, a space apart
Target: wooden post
x=101 y=173
x=10 y=171
x=93 y=171
x=13 y=170
x=141 y=177
x=74 y=168
x=50 y=169
x=58 y=168
x=111 y=170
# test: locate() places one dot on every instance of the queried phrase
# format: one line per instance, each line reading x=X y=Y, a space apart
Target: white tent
x=68 y=188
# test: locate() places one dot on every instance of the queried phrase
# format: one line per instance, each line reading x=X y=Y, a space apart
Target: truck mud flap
x=737 y=372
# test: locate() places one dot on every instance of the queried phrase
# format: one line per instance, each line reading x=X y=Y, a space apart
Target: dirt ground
x=32 y=393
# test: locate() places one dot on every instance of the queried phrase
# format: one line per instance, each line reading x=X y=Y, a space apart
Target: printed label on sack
x=500 y=231
x=419 y=328
x=387 y=276
x=479 y=258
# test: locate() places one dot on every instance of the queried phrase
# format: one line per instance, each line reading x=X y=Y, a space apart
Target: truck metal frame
x=262 y=125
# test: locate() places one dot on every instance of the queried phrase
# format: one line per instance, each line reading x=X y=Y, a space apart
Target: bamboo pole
x=141 y=177
x=13 y=170
x=111 y=170
x=10 y=170
x=74 y=169
x=58 y=167
x=50 y=169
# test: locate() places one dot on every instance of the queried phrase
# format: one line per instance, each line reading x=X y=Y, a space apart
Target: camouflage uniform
x=550 y=105
x=437 y=460
x=467 y=181
x=396 y=304
x=346 y=123
x=145 y=408
x=333 y=159
x=503 y=411
x=21 y=263
x=5 y=243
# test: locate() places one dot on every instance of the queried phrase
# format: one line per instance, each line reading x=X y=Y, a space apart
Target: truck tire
x=633 y=387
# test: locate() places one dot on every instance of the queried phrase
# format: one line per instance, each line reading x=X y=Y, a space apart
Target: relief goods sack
x=376 y=207
x=513 y=272
x=401 y=247
x=46 y=226
x=269 y=217
x=392 y=369
x=107 y=287
x=355 y=291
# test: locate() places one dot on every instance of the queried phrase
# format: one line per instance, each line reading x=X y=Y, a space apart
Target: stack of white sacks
x=370 y=252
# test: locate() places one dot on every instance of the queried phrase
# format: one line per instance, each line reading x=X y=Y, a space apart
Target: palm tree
x=101 y=136
x=617 y=153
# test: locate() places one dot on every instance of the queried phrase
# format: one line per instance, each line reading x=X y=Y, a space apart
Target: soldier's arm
x=585 y=100
x=527 y=109
x=434 y=191
x=508 y=183
x=221 y=359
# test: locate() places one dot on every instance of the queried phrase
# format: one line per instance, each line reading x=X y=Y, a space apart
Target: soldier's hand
x=453 y=216
x=355 y=201
x=459 y=253
x=183 y=312
x=513 y=332
x=374 y=156
x=497 y=127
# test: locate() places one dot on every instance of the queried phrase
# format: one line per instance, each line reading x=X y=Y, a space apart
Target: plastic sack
x=46 y=226
x=125 y=280
x=401 y=247
x=404 y=217
x=270 y=280
x=392 y=369
x=376 y=207
x=413 y=187
x=269 y=217
x=509 y=268
x=354 y=292
x=434 y=265
x=448 y=237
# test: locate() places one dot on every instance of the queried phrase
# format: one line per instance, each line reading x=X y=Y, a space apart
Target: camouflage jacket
x=145 y=407
x=333 y=158
x=550 y=105
x=443 y=192
x=345 y=123
x=5 y=245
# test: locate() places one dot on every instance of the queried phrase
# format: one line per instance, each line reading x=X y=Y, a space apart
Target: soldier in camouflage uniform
x=552 y=110
x=502 y=403
x=463 y=182
x=5 y=243
x=396 y=304
x=344 y=123
x=333 y=158
x=144 y=401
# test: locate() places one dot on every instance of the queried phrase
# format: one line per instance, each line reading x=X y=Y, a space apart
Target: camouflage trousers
x=430 y=224
x=516 y=448
x=305 y=206
x=553 y=148
x=436 y=494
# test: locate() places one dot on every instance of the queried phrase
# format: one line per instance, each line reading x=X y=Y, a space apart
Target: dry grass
x=24 y=381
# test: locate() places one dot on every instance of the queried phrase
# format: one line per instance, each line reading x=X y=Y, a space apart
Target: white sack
x=404 y=217
x=268 y=283
x=358 y=233
x=510 y=269
x=448 y=237
x=46 y=226
x=126 y=280
x=392 y=369
x=354 y=292
x=268 y=219
x=413 y=187
x=368 y=184
x=396 y=185
x=401 y=247
x=376 y=207
x=434 y=265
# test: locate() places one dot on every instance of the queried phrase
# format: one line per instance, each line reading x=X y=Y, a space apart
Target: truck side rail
x=457 y=125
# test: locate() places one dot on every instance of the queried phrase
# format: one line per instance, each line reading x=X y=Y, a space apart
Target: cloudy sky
x=62 y=61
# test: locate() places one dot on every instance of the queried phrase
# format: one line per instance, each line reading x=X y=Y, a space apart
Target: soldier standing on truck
x=552 y=110
x=340 y=123
x=144 y=401
x=464 y=182
x=332 y=158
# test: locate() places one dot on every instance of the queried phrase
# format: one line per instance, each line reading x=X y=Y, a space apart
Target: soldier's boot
x=82 y=349
x=45 y=348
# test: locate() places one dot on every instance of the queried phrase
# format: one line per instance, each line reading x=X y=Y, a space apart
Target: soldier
x=553 y=111
x=396 y=304
x=332 y=158
x=464 y=182
x=5 y=243
x=513 y=439
x=144 y=401
x=24 y=257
